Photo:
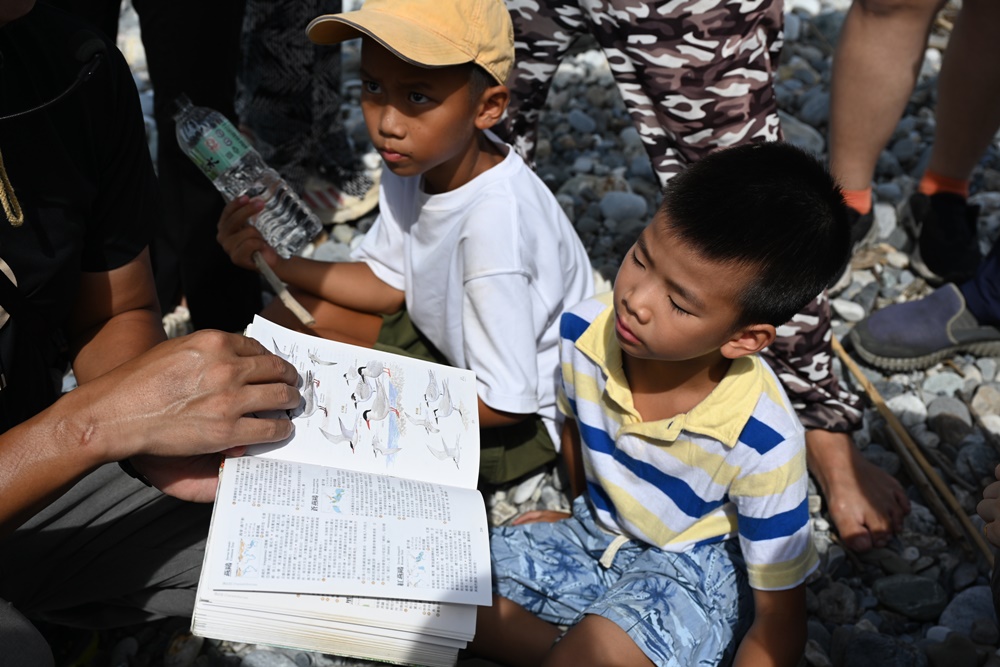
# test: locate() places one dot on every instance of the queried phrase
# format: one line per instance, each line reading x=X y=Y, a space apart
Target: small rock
x=992 y=425
x=973 y=603
x=908 y=408
x=950 y=419
x=964 y=576
x=943 y=384
x=937 y=633
x=988 y=367
x=871 y=649
x=623 y=206
x=887 y=559
x=899 y=260
x=838 y=603
x=581 y=122
x=986 y=400
x=914 y=596
x=848 y=310
x=265 y=658
x=815 y=655
x=976 y=460
x=799 y=134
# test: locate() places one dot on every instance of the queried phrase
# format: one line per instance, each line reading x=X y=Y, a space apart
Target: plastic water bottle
x=236 y=168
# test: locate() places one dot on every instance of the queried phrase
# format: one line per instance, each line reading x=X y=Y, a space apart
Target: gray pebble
x=623 y=205
x=943 y=384
x=848 y=310
x=949 y=418
x=967 y=606
x=581 y=122
x=265 y=658
x=908 y=408
x=988 y=367
x=914 y=596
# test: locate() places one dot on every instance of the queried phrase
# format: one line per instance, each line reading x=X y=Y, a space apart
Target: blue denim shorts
x=682 y=609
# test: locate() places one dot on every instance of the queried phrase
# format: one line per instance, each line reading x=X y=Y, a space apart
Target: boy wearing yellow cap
x=469 y=246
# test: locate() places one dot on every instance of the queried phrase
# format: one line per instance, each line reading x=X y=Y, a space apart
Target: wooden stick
x=279 y=288
x=914 y=451
x=923 y=484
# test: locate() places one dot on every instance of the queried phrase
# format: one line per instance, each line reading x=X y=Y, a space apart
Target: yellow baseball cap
x=429 y=33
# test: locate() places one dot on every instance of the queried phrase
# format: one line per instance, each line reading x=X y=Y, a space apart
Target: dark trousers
x=192 y=47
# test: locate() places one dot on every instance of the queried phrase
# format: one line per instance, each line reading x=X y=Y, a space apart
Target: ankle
x=933 y=183
x=859 y=200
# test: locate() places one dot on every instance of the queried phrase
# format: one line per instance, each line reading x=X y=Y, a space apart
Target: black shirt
x=81 y=171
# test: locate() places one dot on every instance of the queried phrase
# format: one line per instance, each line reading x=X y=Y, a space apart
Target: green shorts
x=507 y=452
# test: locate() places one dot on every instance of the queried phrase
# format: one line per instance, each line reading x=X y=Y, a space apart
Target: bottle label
x=219 y=149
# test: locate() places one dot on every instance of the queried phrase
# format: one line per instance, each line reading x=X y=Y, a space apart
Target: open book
x=363 y=534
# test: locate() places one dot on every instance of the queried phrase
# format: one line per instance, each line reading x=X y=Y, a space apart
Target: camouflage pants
x=695 y=75
x=802 y=358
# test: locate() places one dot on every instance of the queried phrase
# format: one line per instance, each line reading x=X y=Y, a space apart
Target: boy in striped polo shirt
x=689 y=541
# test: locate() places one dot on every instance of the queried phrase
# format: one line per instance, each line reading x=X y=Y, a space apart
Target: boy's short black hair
x=772 y=208
x=479 y=80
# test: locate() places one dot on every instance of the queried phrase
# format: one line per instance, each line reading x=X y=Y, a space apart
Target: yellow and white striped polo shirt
x=734 y=465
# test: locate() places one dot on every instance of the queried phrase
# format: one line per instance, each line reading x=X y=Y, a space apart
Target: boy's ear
x=748 y=340
x=492 y=104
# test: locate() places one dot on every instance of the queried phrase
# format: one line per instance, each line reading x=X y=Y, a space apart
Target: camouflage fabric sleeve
x=802 y=358
x=695 y=75
x=288 y=93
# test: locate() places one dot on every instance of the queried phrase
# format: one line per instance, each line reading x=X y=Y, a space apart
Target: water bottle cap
x=182 y=102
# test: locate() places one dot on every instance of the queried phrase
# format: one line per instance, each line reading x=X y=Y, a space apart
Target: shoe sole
x=981 y=349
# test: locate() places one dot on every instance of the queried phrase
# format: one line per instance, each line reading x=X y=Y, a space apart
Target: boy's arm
x=573 y=457
x=777 y=637
x=349 y=284
x=490 y=418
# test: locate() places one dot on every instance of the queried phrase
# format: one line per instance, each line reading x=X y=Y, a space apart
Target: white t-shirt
x=487 y=270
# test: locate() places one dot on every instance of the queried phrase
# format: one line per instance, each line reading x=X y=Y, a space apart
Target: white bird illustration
x=374 y=368
x=380 y=408
x=352 y=374
x=362 y=391
x=345 y=435
x=433 y=391
x=319 y=362
x=426 y=423
x=377 y=447
x=445 y=406
x=309 y=397
x=277 y=350
x=453 y=453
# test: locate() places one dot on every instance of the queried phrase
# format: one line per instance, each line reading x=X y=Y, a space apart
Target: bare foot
x=866 y=503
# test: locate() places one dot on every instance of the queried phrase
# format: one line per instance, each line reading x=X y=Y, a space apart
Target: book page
x=298 y=528
x=437 y=619
x=376 y=412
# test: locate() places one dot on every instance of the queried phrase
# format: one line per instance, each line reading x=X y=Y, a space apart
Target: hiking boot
x=355 y=197
x=863 y=232
x=863 y=229
x=917 y=334
x=947 y=250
